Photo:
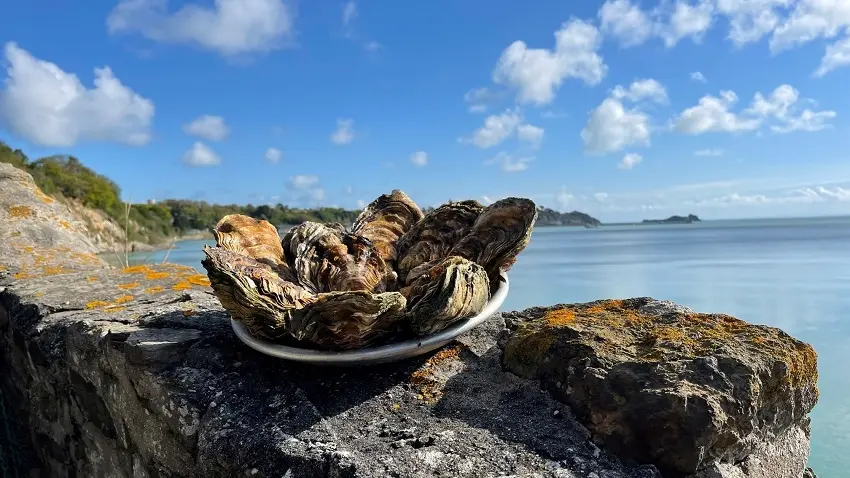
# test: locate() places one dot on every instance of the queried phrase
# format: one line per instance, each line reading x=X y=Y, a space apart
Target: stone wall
x=136 y=373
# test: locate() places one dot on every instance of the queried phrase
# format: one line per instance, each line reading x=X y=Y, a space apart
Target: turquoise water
x=788 y=273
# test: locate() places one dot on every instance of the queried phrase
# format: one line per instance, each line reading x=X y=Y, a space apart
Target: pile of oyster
x=397 y=274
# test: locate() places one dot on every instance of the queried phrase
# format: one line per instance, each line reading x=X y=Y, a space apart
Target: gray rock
x=657 y=383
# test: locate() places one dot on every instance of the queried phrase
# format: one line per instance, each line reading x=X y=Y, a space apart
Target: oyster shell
x=434 y=236
x=349 y=320
x=499 y=234
x=385 y=220
x=451 y=290
x=251 y=291
x=254 y=238
x=326 y=259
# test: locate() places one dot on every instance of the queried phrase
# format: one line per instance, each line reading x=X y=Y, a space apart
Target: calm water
x=788 y=273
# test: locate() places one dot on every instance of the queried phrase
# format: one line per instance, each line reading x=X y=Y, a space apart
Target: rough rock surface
x=136 y=373
x=658 y=383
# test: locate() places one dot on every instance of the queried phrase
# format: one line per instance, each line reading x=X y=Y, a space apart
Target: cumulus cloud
x=612 y=127
x=642 y=89
x=698 y=76
x=478 y=99
x=419 y=158
x=629 y=161
x=274 y=155
x=687 y=21
x=200 y=155
x=537 y=73
x=531 y=134
x=780 y=107
x=625 y=21
x=303 y=181
x=810 y=20
x=344 y=132
x=229 y=27
x=212 y=128
x=52 y=108
x=510 y=163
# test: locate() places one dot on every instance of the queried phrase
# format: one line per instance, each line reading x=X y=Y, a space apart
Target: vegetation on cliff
x=67 y=179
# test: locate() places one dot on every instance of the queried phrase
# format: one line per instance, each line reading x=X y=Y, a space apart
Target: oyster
x=385 y=220
x=395 y=274
x=254 y=238
x=499 y=234
x=434 y=236
x=349 y=320
x=325 y=259
x=451 y=290
x=253 y=293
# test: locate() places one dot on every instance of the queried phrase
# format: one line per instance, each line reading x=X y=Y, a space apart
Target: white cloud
x=750 y=20
x=698 y=76
x=510 y=163
x=349 y=12
x=808 y=120
x=52 y=108
x=212 y=128
x=537 y=73
x=478 y=99
x=530 y=133
x=810 y=20
x=419 y=158
x=303 y=181
x=629 y=161
x=642 y=89
x=373 y=46
x=712 y=115
x=625 y=21
x=611 y=128
x=709 y=152
x=230 y=26
x=601 y=197
x=688 y=21
x=837 y=55
x=496 y=129
x=344 y=133
x=780 y=106
x=274 y=155
x=200 y=155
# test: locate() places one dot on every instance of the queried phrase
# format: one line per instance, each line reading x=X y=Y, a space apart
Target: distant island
x=690 y=218
x=551 y=217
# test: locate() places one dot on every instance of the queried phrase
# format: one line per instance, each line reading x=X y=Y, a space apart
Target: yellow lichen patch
x=560 y=317
x=65 y=224
x=154 y=289
x=44 y=197
x=136 y=269
x=23 y=275
x=20 y=211
x=96 y=304
x=124 y=299
x=429 y=388
x=153 y=275
x=91 y=279
x=39 y=294
x=29 y=249
x=198 y=279
x=128 y=286
x=114 y=308
x=184 y=285
x=3 y=268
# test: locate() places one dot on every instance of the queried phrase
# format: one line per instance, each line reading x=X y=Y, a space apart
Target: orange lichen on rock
x=21 y=211
x=198 y=279
x=124 y=299
x=114 y=308
x=153 y=275
x=128 y=286
x=423 y=379
x=560 y=317
x=154 y=289
x=96 y=304
x=44 y=197
x=91 y=279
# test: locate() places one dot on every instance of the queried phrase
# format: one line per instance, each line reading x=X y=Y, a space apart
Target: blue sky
x=622 y=109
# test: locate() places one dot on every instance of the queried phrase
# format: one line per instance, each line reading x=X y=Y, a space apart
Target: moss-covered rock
x=658 y=383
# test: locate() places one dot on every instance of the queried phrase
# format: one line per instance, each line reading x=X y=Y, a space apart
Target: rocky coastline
x=135 y=372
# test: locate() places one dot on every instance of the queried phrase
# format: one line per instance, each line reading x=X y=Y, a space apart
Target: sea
x=788 y=273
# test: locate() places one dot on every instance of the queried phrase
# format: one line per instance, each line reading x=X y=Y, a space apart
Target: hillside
x=95 y=203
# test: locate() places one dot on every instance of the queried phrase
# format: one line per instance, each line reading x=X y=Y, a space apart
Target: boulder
x=658 y=383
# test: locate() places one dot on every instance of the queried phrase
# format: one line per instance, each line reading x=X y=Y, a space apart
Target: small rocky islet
x=396 y=273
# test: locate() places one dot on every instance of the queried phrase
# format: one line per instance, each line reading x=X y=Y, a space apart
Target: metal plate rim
x=381 y=354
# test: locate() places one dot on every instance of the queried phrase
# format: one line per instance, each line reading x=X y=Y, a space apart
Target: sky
x=622 y=109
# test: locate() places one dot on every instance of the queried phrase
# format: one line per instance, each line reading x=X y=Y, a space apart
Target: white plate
x=384 y=353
